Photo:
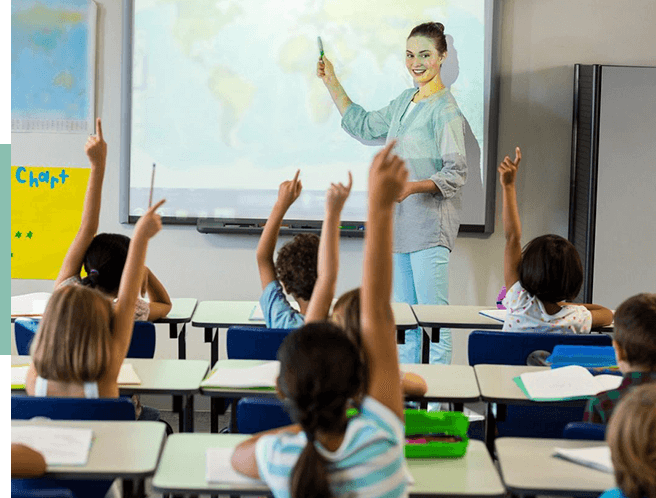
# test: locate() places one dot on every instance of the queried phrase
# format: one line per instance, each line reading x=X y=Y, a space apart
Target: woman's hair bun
x=439 y=26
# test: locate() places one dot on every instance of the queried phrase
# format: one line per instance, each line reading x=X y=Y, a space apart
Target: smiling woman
x=430 y=133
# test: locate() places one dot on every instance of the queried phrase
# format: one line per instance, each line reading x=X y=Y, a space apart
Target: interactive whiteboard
x=223 y=96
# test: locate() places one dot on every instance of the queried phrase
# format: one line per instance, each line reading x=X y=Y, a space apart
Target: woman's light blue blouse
x=431 y=140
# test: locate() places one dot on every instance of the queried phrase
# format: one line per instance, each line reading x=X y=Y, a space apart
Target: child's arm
x=288 y=192
x=328 y=259
x=96 y=150
x=26 y=462
x=413 y=385
x=601 y=316
x=160 y=302
x=387 y=178
x=147 y=226
x=243 y=458
x=512 y=226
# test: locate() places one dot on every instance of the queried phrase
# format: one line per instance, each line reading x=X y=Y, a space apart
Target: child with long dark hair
x=326 y=454
x=103 y=256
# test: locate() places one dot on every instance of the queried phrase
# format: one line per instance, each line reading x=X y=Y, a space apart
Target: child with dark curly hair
x=295 y=269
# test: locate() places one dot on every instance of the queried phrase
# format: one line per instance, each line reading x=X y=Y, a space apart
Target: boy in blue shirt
x=295 y=269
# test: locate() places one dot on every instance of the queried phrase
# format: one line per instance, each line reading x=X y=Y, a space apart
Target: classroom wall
x=540 y=43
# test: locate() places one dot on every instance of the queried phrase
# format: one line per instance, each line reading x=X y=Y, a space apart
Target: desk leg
x=425 y=343
x=234 y=428
x=400 y=336
x=490 y=429
x=188 y=414
x=178 y=407
x=458 y=407
x=215 y=349
x=182 y=344
x=217 y=407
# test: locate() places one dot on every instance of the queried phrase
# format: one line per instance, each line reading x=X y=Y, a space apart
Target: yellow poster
x=46 y=209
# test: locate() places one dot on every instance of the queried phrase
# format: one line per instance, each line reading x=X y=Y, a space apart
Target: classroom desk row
x=136 y=450
x=456 y=384
x=213 y=315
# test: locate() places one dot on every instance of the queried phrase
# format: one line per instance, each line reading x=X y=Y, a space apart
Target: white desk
x=212 y=315
x=449 y=383
x=120 y=449
x=182 y=310
x=497 y=386
x=164 y=377
x=436 y=316
x=182 y=470
x=529 y=469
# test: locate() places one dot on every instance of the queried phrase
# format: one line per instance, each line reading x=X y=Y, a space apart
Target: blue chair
x=585 y=430
x=19 y=492
x=24 y=331
x=141 y=346
x=254 y=343
x=513 y=348
x=251 y=415
x=27 y=407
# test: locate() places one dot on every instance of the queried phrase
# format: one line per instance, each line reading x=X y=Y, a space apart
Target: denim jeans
x=422 y=277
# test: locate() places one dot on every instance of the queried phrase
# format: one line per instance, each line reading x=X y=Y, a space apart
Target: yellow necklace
x=433 y=86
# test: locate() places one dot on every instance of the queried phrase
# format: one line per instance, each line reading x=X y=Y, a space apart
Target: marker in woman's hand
x=320 y=43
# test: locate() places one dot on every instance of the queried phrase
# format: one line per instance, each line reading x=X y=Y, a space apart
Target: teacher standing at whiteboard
x=430 y=133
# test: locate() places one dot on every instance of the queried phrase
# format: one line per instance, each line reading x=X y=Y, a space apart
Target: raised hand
x=337 y=195
x=508 y=169
x=96 y=147
x=387 y=178
x=150 y=223
x=289 y=190
x=325 y=69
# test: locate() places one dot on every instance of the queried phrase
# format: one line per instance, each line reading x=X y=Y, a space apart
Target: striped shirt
x=368 y=463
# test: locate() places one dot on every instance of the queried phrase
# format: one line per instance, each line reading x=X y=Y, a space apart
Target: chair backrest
x=585 y=430
x=27 y=407
x=260 y=414
x=513 y=348
x=37 y=492
x=143 y=341
x=141 y=346
x=24 y=331
x=254 y=343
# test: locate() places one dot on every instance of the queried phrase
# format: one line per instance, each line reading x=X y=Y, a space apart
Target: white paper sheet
x=596 y=458
x=59 y=445
x=127 y=376
x=19 y=374
x=566 y=382
x=263 y=375
x=495 y=314
x=219 y=469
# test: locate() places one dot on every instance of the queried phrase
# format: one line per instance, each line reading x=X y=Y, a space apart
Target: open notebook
x=59 y=445
x=126 y=377
x=219 y=469
x=571 y=382
x=262 y=375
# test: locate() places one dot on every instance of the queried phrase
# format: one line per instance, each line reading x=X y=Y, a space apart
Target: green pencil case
x=435 y=434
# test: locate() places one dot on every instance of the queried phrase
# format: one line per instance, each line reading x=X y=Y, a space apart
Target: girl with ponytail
x=103 y=256
x=322 y=373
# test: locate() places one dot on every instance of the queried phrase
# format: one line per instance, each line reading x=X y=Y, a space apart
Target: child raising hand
x=543 y=276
